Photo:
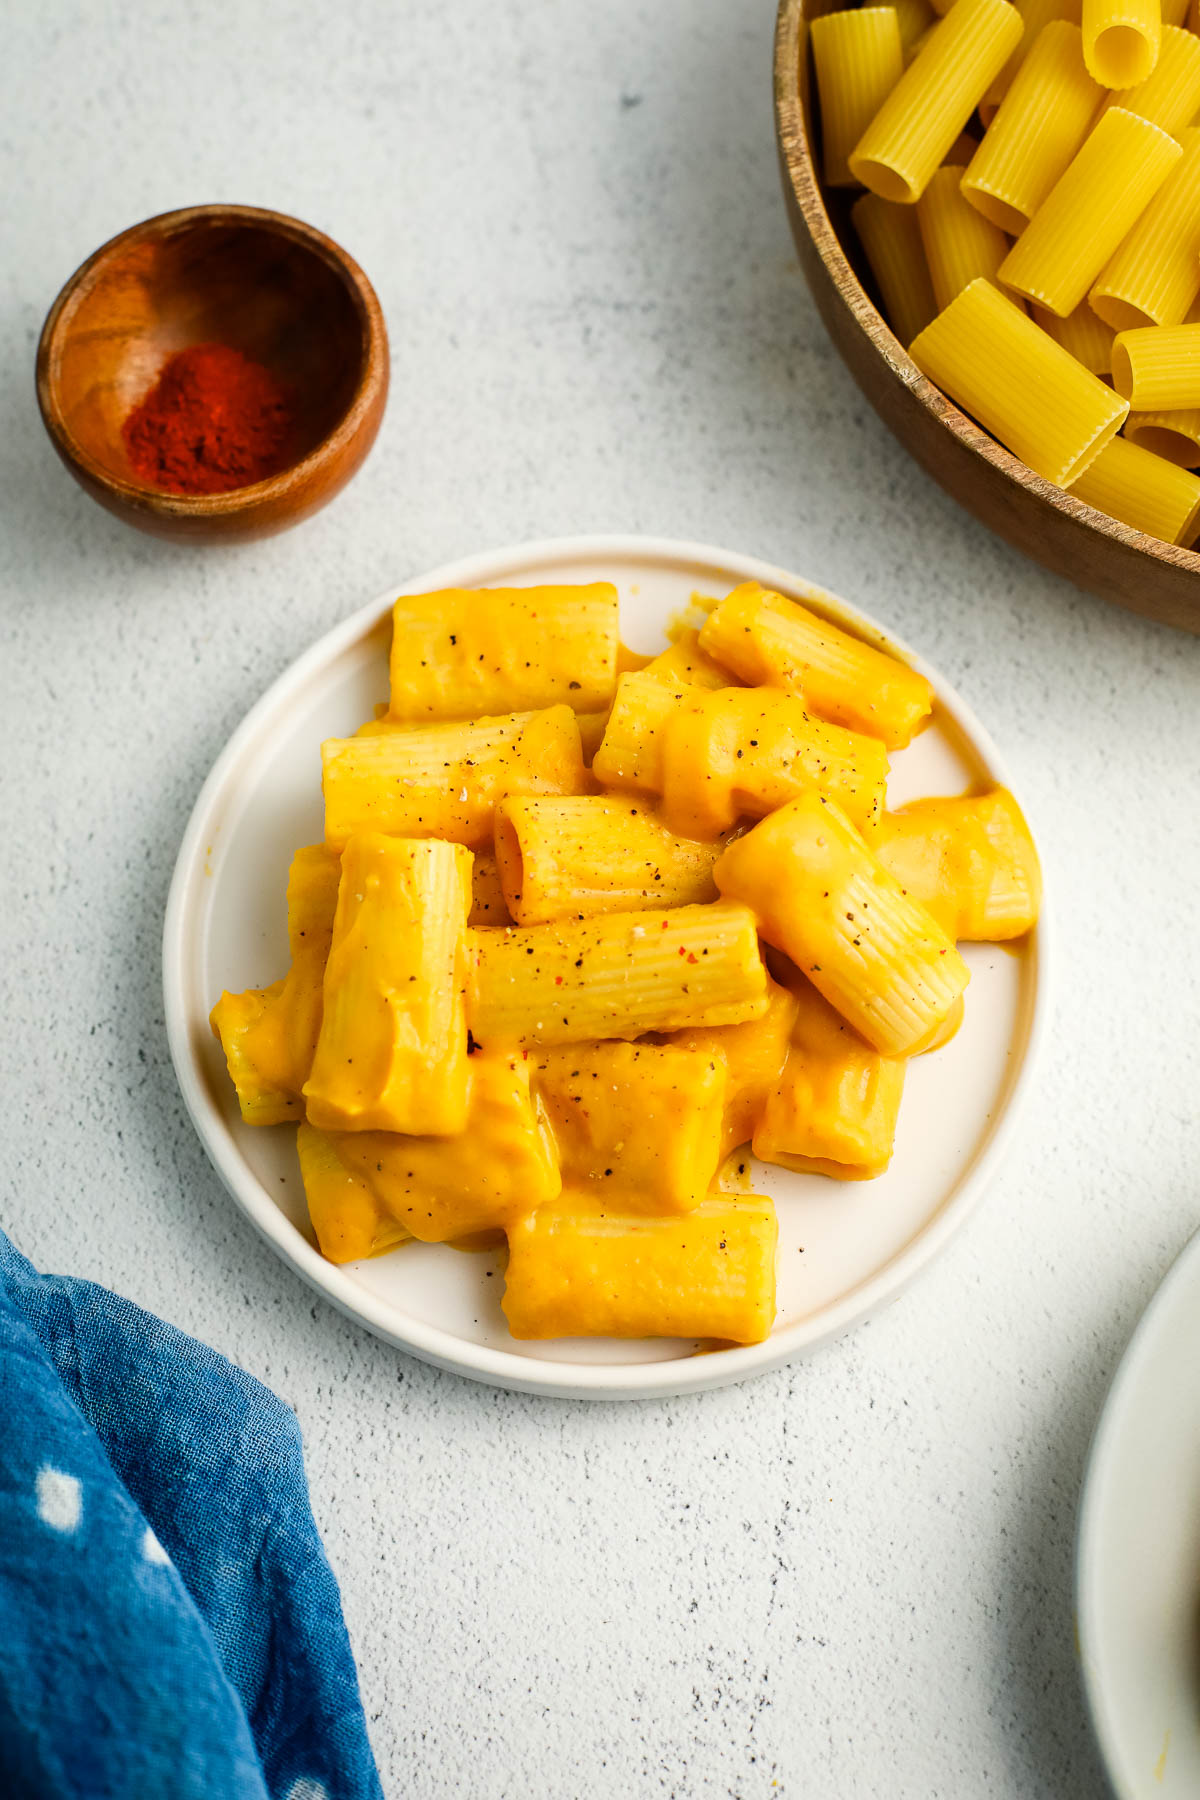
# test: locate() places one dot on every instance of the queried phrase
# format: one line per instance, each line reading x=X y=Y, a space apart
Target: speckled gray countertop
x=851 y=1577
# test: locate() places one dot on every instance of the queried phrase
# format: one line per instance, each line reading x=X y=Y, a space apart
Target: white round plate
x=845 y=1248
x=1137 y=1560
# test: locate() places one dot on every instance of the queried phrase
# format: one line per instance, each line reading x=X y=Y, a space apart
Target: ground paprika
x=213 y=421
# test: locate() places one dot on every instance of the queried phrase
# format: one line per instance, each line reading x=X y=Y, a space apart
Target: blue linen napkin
x=169 y=1625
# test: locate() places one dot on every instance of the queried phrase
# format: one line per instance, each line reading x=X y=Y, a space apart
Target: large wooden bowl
x=1099 y=553
x=272 y=287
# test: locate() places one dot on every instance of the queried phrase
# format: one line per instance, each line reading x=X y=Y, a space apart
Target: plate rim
x=503 y=1368
x=1102 y=1453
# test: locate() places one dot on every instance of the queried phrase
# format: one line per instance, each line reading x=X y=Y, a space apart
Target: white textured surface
x=851 y=1578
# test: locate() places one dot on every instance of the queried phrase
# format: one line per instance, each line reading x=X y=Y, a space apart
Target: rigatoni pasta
x=580 y=1267
x=858 y=60
x=775 y=642
x=970 y=860
x=392 y=1052
x=1037 y=131
x=930 y=104
x=960 y=243
x=616 y=975
x=1175 y=435
x=1121 y=40
x=467 y=654
x=1157 y=367
x=835 y=1107
x=562 y=859
x=1095 y=201
x=891 y=239
x=823 y=898
x=1154 y=277
x=1035 y=16
x=1143 y=490
x=1170 y=94
x=1027 y=390
x=445 y=781
x=1082 y=334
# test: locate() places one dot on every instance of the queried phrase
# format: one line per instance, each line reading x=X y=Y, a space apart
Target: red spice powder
x=213 y=421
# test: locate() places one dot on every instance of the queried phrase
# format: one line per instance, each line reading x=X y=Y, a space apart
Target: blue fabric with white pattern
x=169 y=1624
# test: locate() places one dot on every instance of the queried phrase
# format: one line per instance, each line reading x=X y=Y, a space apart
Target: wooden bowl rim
x=798 y=159
x=369 y=393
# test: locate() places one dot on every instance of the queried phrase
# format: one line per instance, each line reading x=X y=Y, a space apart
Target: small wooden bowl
x=269 y=286
x=1098 y=553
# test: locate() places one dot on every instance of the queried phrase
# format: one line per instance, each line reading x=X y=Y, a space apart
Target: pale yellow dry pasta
x=935 y=97
x=1171 y=95
x=1155 y=275
x=857 y=56
x=1174 y=12
x=1143 y=490
x=1041 y=124
x=1121 y=40
x=1096 y=200
x=960 y=244
x=1087 y=337
x=1157 y=367
x=891 y=238
x=1173 y=435
x=1023 y=387
x=914 y=18
x=1036 y=15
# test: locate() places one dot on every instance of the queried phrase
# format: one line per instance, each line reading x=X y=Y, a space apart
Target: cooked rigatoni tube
x=482 y=1178
x=233 y=1019
x=562 y=859
x=488 y=905
x=1022 y=387
x=824 y=899
x=891 y=241
x=771 y=641
x=639 y=1125
x=592 y=727
x=269 y=1034
x=1142 y=490
x=858 y=60
x=753 y=1056
x=616 y=975
x=1155 y=275
x=1175 y=435
x=464 y=654
x=348 y=1220
x=580 y=1268
x=1035 y=16
x=1170 y=96
x=1082 y=334
x=392 y=1054
x=960 y=244
x=834 y=1109
x=1157 y=367
x=1042 y=121
x=1097 y=199
x=970 y=860
x=445 y=780
x=715 y=756
x=283 y=1041
x=1121 y=40
x=931 y=103
x=684 y=664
